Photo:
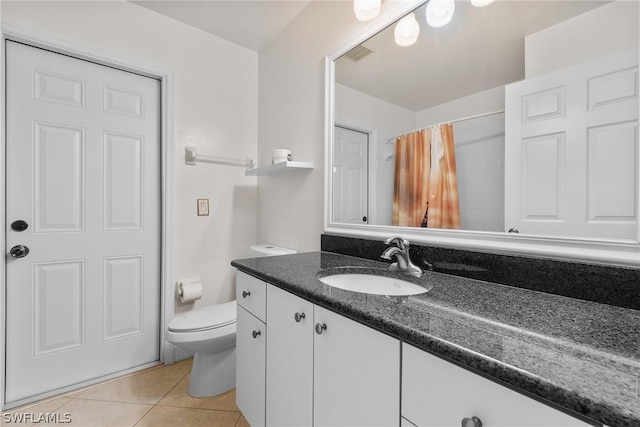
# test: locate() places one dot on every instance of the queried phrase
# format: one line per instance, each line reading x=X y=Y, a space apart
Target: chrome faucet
x=401 y=252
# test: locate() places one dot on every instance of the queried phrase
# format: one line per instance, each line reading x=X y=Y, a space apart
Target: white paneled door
x=83 y=177
x=350 y=159
x=571 y=153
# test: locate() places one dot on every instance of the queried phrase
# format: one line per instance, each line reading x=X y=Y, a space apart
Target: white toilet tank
x=270 y=250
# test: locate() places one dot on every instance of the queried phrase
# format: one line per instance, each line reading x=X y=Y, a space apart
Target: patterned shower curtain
x=425 y=183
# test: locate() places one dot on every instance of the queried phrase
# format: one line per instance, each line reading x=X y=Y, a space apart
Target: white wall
x=388 y=121
x=216 y=89
x=291 y=115
x=605 y=30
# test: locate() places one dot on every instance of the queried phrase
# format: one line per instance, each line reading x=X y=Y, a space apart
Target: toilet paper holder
x=189 y=290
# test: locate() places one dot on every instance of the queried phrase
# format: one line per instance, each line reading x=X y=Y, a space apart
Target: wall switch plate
x=203 y=207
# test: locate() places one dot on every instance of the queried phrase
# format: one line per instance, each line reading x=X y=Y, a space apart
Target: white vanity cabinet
x=318 y=368
x=326 y=370
x=251 y=339
x=438 y=393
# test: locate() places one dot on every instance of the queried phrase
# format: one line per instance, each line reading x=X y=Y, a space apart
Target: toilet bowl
x=210 y=332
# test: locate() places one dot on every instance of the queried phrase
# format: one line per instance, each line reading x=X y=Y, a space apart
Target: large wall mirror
x=526 y=118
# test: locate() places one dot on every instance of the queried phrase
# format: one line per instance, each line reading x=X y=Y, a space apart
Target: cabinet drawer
x=438 y=393
x=251 y=293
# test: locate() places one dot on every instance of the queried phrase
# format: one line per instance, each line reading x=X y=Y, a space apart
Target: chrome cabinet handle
x=471 y=422
x=19 y=251
x=320 y=328
x=298 y=317
x=256 y=333
x=245 y=294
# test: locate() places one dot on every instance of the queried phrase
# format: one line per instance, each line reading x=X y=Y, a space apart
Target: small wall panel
x=58 y=306
x=123 y=181
x=60 y=89
x=124 y=102
x=59 y=178
x=612 y=172
x=612 y=88
x=123 y=296
x=542 y=164
x=543 y=105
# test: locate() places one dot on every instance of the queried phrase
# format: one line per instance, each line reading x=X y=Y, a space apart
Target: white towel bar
x=191 y=157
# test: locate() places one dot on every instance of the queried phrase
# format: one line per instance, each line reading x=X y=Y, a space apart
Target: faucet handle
x=398 y=241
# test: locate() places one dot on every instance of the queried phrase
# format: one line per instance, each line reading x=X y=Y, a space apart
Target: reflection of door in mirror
x=562 y=127
x=350 y=160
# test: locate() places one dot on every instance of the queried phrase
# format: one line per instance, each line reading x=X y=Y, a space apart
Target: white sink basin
x=373 y=284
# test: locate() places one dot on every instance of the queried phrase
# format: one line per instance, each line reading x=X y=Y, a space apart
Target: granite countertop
x=579 y=355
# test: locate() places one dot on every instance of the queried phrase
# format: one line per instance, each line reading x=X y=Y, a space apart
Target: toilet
x=210 y=332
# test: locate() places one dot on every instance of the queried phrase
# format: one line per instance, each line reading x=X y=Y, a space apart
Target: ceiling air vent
x=358 y=52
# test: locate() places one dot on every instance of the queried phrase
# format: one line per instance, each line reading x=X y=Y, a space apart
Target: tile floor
x=154 y=397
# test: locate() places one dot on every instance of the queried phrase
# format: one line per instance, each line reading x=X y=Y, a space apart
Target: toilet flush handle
x=245 y=294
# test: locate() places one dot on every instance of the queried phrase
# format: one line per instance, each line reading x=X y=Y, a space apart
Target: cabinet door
x=289 y=359
x=356 y=374
x=251 y=337
x=438 y=393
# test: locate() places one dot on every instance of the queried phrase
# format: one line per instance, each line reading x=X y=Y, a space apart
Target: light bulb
x=366 y=10
x=407 y=30
x=440 y=12
x=481 y=3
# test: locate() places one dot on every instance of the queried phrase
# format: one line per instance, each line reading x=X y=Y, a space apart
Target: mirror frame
x=598 y=251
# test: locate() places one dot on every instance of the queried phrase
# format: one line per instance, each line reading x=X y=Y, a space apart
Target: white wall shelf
x=279 y=168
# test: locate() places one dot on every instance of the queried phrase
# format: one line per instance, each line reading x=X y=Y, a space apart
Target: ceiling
x=249 y=23
x=480 y=49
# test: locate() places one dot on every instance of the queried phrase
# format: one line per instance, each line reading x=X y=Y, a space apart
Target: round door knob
x=320 y=328
x=19 y=251
x=364 y=219
x=471 y=422
x=298 y=317
x=245 y=294
x=256 y=333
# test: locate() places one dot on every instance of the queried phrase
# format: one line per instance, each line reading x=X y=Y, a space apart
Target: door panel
x=58 y=178
x=83 y=157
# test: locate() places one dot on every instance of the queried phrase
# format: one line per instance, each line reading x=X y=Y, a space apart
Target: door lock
x=19 y=225
x=19 y=251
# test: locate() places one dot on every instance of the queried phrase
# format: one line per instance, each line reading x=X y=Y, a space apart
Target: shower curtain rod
x=462 y=119
x=477 y=116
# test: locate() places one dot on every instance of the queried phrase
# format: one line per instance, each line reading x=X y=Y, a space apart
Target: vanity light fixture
x=366 y=10
x=440 y=12
x=481 y=3
x=407 y=30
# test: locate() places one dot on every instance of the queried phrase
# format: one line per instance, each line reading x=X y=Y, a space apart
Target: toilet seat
x=205 y=318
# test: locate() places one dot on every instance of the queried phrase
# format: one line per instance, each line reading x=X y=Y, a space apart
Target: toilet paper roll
x=280 y=155
x=188 y=290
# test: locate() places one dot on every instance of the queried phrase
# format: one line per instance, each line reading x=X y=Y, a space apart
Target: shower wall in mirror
x=518 y=167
